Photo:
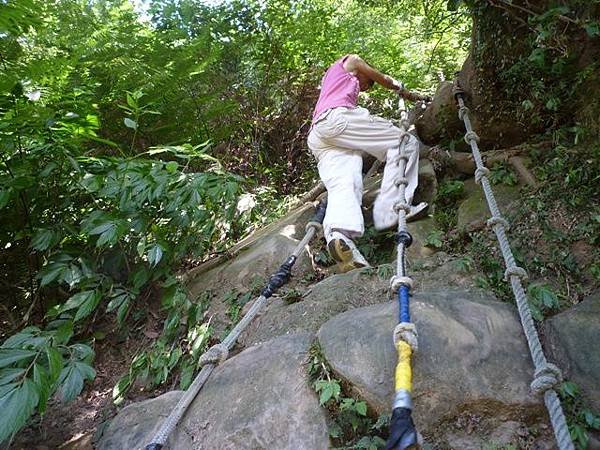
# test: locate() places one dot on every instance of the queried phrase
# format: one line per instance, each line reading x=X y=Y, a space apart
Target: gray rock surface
x=420 y=230
x=572 y=339
x=137 y=423
x=355 y=289
x=261 y=255
x=427 y=187
x=472 y=356
x=473 y=211
x=258 y=399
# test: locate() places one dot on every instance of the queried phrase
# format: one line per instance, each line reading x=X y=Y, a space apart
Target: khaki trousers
x=336 y=140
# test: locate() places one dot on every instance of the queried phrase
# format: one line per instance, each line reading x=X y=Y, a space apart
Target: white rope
x=547 y=376
x=219 y=353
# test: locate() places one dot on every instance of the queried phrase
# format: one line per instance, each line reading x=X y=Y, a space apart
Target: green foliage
x=502 y=173
x=119 y=140
x=446 y=203
x=580 y=419
x=542 y=300
x=434 y=239
x=36 y=363
x=351 y=426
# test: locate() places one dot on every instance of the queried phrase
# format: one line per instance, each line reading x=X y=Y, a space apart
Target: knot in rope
x=498 y=220
x=316 y=225
x=401 y=180
x=462 y=111
x=480 y=173
x=214 y=355
x=398 y=206
x=517 y=272
x=407 y=332
x=547 y=377
x=397 y=281
x=471 y=136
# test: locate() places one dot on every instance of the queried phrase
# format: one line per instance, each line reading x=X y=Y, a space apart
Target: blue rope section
x=403 y=294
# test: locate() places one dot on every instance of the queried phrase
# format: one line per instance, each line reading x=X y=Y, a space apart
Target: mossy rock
x=473 y=211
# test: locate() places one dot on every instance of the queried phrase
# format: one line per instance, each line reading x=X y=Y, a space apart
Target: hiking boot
x=417 y=212
x=343 y=250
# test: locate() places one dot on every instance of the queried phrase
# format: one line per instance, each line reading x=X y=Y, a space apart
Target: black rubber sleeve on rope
x=153 y=447
x=404 y=237
x=280 y=277
x=403 y=434
x=320 y=211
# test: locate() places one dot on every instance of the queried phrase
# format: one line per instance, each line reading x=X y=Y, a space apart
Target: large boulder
x=136 y=424
x=259 y=399
x=255 y=259
x=572 y=338
x=355 y=289
x=472 y=357
x=440 y=119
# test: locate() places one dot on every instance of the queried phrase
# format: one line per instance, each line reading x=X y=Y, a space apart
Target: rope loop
x=515 y=271
x=316 y=225
x=214 y=355
x=401 y=180
x=498 y=220
x=480 y=173
x=407 y=332
x=471 y=136
x=547 y=377
x=399 y=206
x=397 y=281
x=462 y=111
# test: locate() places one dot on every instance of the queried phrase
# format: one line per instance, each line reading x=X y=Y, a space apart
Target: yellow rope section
x=403 y=368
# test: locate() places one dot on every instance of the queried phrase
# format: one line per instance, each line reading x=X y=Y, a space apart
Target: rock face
x=343 y=292
x=572 y=339
x=259 y=399
x=420 y=231
x=440 y=119
x=472 y=357
x=136 y=424
x=259 y=255
x=473 y=212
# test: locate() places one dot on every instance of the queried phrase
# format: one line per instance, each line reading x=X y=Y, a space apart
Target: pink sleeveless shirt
x=338 y=88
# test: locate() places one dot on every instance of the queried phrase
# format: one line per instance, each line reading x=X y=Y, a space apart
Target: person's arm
x=355 y=64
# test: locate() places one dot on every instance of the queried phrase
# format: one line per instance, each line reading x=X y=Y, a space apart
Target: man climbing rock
x=340 y=132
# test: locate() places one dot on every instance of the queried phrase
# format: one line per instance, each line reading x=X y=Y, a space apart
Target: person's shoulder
x=352 y=61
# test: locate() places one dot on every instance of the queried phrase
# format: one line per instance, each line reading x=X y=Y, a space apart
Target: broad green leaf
x=43 y=384
x=42 y=240
x=361 y=408
x=121 y=388
x=129 y=123
x=155 y=255
x=9 y=374
x=10 y=356
x=108 y=237
x=51 y=272
x=77 y=300
x=21 y=402
x=171 y=166
x=88 y=306
x=55 y=363
x=70 y=383
x=102 y=228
